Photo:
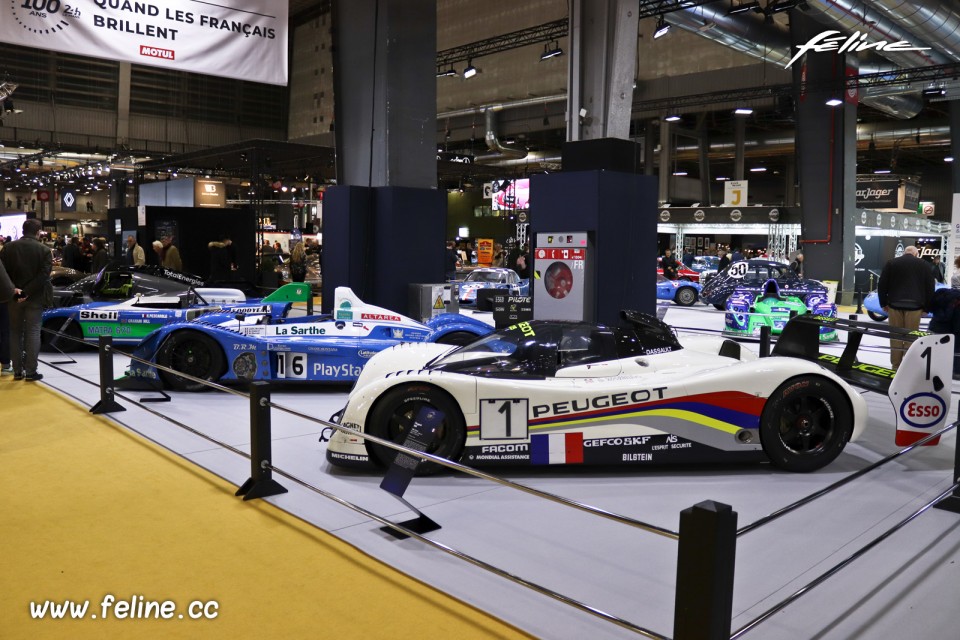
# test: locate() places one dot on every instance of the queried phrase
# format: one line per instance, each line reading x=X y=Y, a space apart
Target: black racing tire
x=805 y=423
x=686 y=296
x=395 y=411
x=722 y=306
x=876 y=317
x=457 y=338
x=193 y=353
x=64 y=345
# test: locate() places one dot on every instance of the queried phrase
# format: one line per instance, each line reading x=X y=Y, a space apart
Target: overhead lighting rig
x=742 y=6
x=662 y=28
x=551 y=52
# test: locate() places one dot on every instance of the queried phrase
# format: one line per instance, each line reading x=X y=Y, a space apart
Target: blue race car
x=682 y=292
x=752 y=275
x=325 y=348
x=872 y=304
x=492 y=278
x=130 y=321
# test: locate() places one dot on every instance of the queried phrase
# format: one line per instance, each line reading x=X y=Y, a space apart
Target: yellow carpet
x=90 y=509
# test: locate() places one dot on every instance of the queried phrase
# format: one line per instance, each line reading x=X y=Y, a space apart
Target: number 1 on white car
x=503 y=419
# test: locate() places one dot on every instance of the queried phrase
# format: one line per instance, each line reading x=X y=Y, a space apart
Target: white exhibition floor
x=906 y=587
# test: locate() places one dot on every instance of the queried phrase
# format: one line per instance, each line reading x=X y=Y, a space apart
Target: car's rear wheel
x=194 y=354
x=685 y=296
x=457 y=338
x=70 y=342
x=720 y=306
x=876 y=317
x=396 y=412
x=805 y=423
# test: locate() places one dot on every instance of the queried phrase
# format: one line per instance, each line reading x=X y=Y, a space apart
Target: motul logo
x=154 y=52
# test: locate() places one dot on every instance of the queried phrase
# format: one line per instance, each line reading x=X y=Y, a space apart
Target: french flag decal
x=556 y=448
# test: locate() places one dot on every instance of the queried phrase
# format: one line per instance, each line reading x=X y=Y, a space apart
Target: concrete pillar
x=827 y=161
x=601 y=68
x=739 y=142
x=663 y=193
x=953 y=247
x=123 y=104
x=649 y=147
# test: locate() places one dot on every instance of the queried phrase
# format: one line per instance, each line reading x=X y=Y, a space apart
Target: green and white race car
x=748 y=311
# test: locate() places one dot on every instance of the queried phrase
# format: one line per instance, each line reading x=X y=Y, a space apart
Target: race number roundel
x=922 y=410
x=737 y=270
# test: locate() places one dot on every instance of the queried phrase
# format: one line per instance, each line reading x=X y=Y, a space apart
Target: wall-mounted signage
x=735 y=193
x=242 y=39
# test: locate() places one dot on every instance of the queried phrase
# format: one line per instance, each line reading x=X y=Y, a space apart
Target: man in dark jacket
x=28 y=263
x=905 y=289
x=71 y=255
x=669 y=265
x=945 y=307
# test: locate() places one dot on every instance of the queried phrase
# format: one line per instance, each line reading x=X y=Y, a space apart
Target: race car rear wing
x=919 y=389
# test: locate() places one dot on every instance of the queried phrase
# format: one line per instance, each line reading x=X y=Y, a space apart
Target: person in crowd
x=735 y=255
x=945 y=307
x=669 y=265
x=797 y=265
x=522 y=266
x=955 y=280
x=277 y=248
x=171 y=255
x=219 y=262
x=499 y=255
x=6 y=295
x=134 y=255
x=938 y=269
x=231 y=252
x=100 y=256
x=687 y=258
x=298 y=263
x=28 y=263
x=724 y=260
x=451 y=262
x=86 y=254
x=71 y=254
x=905 y=289
x=158 y=250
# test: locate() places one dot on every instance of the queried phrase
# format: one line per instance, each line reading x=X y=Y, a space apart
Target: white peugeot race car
x=547 y=392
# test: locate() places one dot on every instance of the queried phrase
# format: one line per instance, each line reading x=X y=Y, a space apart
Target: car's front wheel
x=876 y=317
x=194 y=354
x=685 y=296
x=805 y=423
x=395 y=413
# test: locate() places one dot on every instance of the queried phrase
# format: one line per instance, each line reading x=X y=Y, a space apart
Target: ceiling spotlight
x=739 y=6
x=470 y=70
x=448 y=73
x=662 y=28
x=834 y=102
x=673 y=118
x=881 y=171
x=758 y=169
x=552 y=52
x=743 y=111
x=948 y=159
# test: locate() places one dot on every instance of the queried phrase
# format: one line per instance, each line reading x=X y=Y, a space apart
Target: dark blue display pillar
x=379 y=240
x=620 y=210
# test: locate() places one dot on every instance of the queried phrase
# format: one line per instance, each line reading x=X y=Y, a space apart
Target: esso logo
x=922 y=410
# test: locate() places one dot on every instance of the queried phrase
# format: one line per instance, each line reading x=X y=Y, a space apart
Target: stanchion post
x=706 y=557
x=260 y=484
x=764 y=341
x=859 y=294
x=952 y=502
x=107 y=402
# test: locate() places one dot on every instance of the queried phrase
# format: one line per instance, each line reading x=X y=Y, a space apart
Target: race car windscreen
x=486 y=276
x=521 y=351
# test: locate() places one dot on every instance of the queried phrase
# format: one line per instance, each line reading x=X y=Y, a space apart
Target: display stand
x=260 y=484
x=106 y=404
x=421 y=435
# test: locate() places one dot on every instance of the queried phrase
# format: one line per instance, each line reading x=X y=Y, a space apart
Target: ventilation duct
x=749 y=34
x=493 y=141
x=932 y=21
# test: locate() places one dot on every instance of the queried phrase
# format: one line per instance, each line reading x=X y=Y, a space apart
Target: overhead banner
x=246 y=41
